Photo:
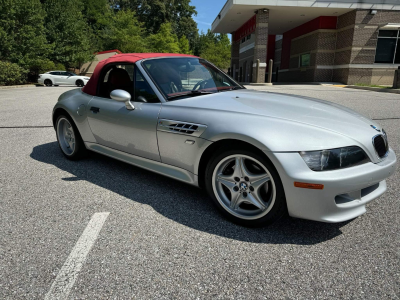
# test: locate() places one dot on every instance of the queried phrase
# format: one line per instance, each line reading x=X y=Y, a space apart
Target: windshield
x=187 y=76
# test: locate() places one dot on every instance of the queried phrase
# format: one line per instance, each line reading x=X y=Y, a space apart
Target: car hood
x=310 y=111
x=276 y=122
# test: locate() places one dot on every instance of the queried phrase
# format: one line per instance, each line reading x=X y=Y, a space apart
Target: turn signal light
x=312 y=186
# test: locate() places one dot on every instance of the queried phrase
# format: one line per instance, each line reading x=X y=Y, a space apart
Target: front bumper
x=345 y=192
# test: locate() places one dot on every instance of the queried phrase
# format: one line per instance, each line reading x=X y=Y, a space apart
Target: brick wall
x=246 y=59
x=352 y=43
x=261 y=43
x=235 y=58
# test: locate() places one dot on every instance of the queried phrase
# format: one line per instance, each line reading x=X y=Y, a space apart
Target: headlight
x=326 y=160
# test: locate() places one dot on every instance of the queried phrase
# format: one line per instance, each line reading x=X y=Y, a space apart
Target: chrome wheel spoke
x=237 y=172
x=236 y=199
x=257 y=181
x=228 y=181
x=256 y=201
x=240 y=170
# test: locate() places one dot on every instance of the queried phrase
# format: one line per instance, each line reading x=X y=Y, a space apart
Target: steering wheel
x=199 y=84
x=141 y=99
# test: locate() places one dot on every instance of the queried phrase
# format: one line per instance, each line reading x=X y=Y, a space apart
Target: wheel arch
x=228 y=143
x=58 y=112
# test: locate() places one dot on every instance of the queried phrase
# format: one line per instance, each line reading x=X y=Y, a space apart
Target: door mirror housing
x=122 y=96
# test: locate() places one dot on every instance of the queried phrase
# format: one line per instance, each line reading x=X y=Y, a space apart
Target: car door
x=70 y=78
x=55 y=77
x=114 y=126
x=63 y=77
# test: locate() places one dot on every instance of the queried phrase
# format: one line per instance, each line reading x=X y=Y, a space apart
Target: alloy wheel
x=244 y=187
x=66 y=136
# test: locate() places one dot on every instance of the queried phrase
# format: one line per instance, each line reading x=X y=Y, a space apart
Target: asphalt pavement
x=156 y=238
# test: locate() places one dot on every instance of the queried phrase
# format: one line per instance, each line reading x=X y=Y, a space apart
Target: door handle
x=95 y=110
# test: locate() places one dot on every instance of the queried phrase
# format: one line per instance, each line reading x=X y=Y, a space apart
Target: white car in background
x=62 y=77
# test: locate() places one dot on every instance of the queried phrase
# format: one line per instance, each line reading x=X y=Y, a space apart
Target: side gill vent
x=181 y=127
x=184 y=128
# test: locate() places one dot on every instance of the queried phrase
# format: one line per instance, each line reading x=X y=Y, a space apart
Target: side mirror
x=122 y=96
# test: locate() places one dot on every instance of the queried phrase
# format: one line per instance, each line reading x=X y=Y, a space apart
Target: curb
x=17 y=86
x=373 y=89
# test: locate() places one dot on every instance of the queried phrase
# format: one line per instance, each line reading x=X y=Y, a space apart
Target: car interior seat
x=119 y=79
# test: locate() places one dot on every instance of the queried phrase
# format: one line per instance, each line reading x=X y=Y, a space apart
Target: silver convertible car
x=257 y=154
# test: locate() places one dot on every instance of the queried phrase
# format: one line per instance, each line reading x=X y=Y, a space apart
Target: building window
x=305 y=60
x=249 y=36
x=387 y=50
x=243 y=40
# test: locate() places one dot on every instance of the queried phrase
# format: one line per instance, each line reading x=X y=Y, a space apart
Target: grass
x=375 y=86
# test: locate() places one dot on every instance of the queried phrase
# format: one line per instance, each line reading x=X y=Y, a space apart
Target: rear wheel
x=79 y=82
x=48 y=82
x=245 y=187
x=69 y=139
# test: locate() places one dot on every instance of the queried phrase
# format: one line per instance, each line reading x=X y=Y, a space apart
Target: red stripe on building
x=315 y=24
x=246 y=29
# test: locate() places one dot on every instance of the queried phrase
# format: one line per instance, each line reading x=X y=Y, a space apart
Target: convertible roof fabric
x=90 y=87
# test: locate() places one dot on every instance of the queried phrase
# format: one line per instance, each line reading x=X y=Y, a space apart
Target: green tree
x=68 y=31
x=98 y=15
x=203 y=40
x=22 y=33
x=155 y=13
x=124 y=32
x=187 y=27
x=184 y=46
x=164 y=41
x=218 y=52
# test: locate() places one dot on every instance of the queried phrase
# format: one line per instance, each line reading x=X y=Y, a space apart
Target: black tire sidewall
x=279 y=207
x=79 y=83
x=48 y=82
x=80 y=149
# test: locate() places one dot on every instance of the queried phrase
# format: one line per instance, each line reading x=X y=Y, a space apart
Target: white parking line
x=65 y=279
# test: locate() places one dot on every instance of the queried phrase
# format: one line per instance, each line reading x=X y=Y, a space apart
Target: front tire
x=48 y=82
x=69 y=139
x=79 y=83
x=245 y=187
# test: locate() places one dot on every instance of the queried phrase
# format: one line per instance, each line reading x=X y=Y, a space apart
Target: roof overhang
x=287 y=14
x=389 y=26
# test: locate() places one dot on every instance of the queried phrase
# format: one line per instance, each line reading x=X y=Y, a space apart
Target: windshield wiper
x=191 y=94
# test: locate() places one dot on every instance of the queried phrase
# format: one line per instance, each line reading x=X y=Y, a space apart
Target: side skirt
x=151 y=165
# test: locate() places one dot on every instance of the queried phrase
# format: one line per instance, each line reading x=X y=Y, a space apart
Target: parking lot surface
x=125 y=233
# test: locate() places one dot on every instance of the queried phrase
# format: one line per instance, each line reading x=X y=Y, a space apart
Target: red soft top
x=90 y=87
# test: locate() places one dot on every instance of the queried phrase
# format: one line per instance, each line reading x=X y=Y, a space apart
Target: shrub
x=12 y=73
x=59 y=67
x=40 y=66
